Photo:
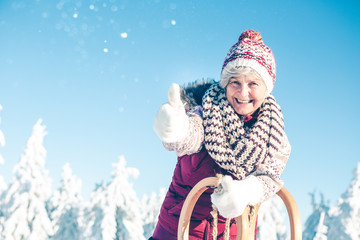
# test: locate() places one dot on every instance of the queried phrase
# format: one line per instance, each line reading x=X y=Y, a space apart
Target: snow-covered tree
x=2 y=182
x=2 y=186
x=316 y=226
x=65 y=207
x=150 y=209
x=271 y=220
x=345 y=221
x=2 y=142
x=115 y=208
x=25 y=215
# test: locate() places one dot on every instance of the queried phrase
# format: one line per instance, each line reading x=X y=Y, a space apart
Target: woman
x=233 y=127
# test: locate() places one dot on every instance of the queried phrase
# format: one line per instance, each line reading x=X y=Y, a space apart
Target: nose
x=244 y=91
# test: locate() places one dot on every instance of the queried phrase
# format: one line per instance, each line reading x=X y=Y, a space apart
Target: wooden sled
x=246 y=222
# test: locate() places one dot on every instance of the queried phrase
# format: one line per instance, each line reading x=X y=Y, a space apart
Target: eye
x=234 y=83
x=254 y=84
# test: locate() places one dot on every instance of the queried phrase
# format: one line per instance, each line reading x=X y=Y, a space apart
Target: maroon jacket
x=190 y=169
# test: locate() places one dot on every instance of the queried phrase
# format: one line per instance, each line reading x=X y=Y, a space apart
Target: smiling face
x=246 y=93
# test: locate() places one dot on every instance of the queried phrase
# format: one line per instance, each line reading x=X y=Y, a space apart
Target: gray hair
x=236 y=71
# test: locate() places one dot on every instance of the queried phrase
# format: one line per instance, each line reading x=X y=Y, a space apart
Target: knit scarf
x=234 y=149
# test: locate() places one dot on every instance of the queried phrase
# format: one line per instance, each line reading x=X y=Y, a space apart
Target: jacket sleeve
x=194 y=140
x=270 y=170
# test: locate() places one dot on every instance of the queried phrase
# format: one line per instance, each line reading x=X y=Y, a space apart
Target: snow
x=341 y=221
x=150 y=208
x=271 y=218
x=315 y=226
x=23 y=202
x=124 y=35
x=2 y=185
x=115 y=209
x=2 y=144
x=29 y=209
x=345 y=221
x=2 y=139
x=65 y=207
x=321 y=229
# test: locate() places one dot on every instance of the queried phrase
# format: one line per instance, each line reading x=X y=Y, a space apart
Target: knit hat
x=250 y=51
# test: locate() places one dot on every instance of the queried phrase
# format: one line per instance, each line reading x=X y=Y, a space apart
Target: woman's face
x=245 y=93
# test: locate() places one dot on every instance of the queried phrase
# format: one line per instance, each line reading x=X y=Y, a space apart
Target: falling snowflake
x=106 y=50
x=173 y=22
x=124 y=35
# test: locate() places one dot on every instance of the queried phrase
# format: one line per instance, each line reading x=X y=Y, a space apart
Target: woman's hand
x=236 y=195
x=171 y=123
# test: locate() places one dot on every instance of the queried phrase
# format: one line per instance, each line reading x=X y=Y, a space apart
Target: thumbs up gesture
x=171 y=123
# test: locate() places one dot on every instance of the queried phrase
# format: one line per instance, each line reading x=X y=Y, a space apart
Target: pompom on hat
x=250 y=51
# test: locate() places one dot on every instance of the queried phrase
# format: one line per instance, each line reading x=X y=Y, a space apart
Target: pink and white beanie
x=250 y=51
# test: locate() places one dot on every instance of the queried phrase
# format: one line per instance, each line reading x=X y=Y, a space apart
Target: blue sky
x=97 y=91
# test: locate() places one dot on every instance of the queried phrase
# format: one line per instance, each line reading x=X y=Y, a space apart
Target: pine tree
x=316 y=226
x=2 y=187
x=271 y=220
x=115 y=208
x=25 y=215
x=150 y=208
x=345 y=221
x=65 y=207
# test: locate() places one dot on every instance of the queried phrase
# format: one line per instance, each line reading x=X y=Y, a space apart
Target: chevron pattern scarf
x=234 y=149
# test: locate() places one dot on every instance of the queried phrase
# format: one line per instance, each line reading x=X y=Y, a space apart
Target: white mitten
x=171 y=123
x=236 y=195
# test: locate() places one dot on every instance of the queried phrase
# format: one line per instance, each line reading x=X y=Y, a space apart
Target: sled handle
x=188 y=207
x=293 y=212
x=246 y=222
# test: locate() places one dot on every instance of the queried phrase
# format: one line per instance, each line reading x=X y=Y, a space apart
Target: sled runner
x=246 y=222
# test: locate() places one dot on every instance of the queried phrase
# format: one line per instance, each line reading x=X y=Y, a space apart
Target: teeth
x=239 y=101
